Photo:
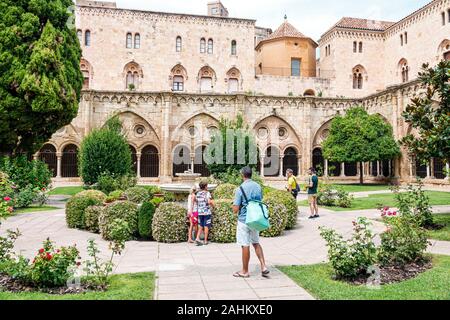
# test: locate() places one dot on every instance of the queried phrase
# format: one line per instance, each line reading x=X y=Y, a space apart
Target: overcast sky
x=311 y=17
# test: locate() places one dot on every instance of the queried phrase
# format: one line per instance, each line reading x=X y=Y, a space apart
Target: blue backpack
x=257 y=214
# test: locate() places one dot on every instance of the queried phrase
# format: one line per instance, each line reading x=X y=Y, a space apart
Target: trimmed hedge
x=225 y=191
x=145 y=219
x=224 y=223
x=76 y=206
x=290 y=204
x=91 y=216
x=137 y=194
x=170 y=223
x=278 y=215
x=125 y=210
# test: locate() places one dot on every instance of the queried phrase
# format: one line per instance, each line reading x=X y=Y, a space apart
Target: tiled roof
x=286 y=30
x=364 y=24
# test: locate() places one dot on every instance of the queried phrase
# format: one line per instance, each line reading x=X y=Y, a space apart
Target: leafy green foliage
x=414 y=202
x=76 y=206
x=24 y=173
x=239 y=137
x=105 y=152
x=429 y=115
x=225 y=222
x=137 y=194
x=145 y=219
x=334 y=196
x=278 y=215
x=170 y=223
x=290 y=206
x=123 y=210
x=40 y=77
x=225 y=191
x=91 y=216
x=108 y=183
x=360 y=137
x=350 y=258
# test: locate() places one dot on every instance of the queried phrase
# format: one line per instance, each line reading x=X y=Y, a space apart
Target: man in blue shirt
x=246 y=236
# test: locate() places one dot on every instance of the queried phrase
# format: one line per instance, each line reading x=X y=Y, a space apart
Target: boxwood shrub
x=145 y=219
x=290 y=205
x=225 y=191
x=76 y=206
x=278 y=215
x=137 y=194
x=124 y=210
x=91 y=216
x=170 y=223
x=224 y=223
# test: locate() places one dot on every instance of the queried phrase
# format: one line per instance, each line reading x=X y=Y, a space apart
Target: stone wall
x=297 y=86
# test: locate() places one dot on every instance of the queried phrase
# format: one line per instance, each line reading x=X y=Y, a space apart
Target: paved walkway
x=190 y=272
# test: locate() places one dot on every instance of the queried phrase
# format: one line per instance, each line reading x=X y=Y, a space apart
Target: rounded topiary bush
x=225 y=222
x=124 y=210
x=225 y=191
x=137 y=194
x=290 y=205
x=91 y=216
x=76 y=206
x=278 y=216
x=145 y=219
x=169 y=223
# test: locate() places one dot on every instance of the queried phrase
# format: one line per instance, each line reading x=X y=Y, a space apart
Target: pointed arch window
x=210 y=46
x=87 y=38
x=137 y=41
x=202 y=45
x=233 y=48
x=178 y=44
x=358 y=78
x=129 y=43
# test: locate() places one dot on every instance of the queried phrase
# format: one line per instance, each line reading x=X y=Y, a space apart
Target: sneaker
x=316 y=216
x=311 y=217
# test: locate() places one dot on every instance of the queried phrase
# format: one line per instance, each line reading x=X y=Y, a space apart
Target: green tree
x=232 y=147
x=103 y=151
x=429 y=115
x=40 y=77
x=360 y=137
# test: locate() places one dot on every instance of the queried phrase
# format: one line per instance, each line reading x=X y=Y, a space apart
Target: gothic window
x=405 y=72
x=233 y=78
x=406 y=37
x=233 y=48
x=129 y=41
x=355 y=45
x=87 y=38
x=137 y=41
x=206 y=78
x=202 y=45
x=360 y=47
x=401 y=39
x=178 y=83
x=210 y=46
x=86 y=70
x=443 y=18
x=132 y=73
x=358 y=77
x=178 y=44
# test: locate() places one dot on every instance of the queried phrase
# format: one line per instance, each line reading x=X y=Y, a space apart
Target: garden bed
x=431 y=284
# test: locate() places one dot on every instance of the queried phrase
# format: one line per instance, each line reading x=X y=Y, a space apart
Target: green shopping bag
x=257 y=214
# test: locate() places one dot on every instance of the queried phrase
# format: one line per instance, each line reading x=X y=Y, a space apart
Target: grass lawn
x=35 y=209
x=137 y=286
x=442 y=234
x=66 y=191
x=433 y=284
x=363 y=188
x=388 y=199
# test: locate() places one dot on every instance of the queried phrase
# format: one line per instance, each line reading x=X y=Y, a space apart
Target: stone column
x=428 y=171
x=325 y=170
x=307 y=146
x=281 y=175
x=86 y=101
x=261 y=165
x=166 y=107
x=379 y=168
x=58 y=164
x=342 y=169
x=447 y=169
x=431 y=168
x=138 y=164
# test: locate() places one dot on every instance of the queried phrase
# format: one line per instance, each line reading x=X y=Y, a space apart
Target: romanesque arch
x=47 y=154
x=403 y=70
x=443 y=51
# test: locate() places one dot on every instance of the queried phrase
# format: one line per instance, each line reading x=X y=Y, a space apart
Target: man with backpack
x=246 y=237
x=293 y=187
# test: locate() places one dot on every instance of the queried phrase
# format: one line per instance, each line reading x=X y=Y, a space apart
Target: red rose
x=78 y=264
x=7 y=199
x=49 y=256
x=41 y=250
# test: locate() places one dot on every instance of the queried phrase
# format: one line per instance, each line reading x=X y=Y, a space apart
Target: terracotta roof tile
x=286 y=30
x=364 y=24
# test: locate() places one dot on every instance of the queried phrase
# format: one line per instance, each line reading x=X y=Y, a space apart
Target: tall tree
x=40 y=77
x=429 y=115
x=360 y=137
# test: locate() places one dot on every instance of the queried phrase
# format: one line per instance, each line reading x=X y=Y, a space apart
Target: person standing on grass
x=293 y=187
x=313 y=184
x=204 y=203
x=247 y=237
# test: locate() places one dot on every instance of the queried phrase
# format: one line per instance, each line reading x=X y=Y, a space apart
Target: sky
x=311 y=17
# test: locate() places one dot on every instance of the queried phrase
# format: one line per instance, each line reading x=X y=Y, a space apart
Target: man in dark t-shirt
x=313 y=184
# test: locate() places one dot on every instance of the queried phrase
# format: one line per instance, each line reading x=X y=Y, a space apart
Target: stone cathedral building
x=171 y=78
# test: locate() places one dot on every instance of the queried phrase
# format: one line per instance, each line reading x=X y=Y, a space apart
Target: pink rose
x=7 y=199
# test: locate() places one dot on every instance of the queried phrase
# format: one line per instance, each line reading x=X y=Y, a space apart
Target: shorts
x=312 y=197
x=205 y=221
x=294 y=194
x=245 y=236
x=194 y=218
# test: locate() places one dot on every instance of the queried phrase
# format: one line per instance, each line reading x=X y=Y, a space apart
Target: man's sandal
x=240 y=275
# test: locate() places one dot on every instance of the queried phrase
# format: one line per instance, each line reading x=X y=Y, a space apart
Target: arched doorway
x=181 y=160
x=199 y=162
x=150 y=162
x=421 y=169
x=374 y=168
x=290 y=160
x=47 y=154
x=272 y=162
x=386 y=168
x=438 y=169
x=318 y=161
x=69 y=163
x=133 y=158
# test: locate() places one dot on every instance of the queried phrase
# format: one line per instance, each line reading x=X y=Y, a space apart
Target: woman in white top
x=192 y=215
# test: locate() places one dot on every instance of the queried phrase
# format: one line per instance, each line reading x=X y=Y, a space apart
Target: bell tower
x=217 y=9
